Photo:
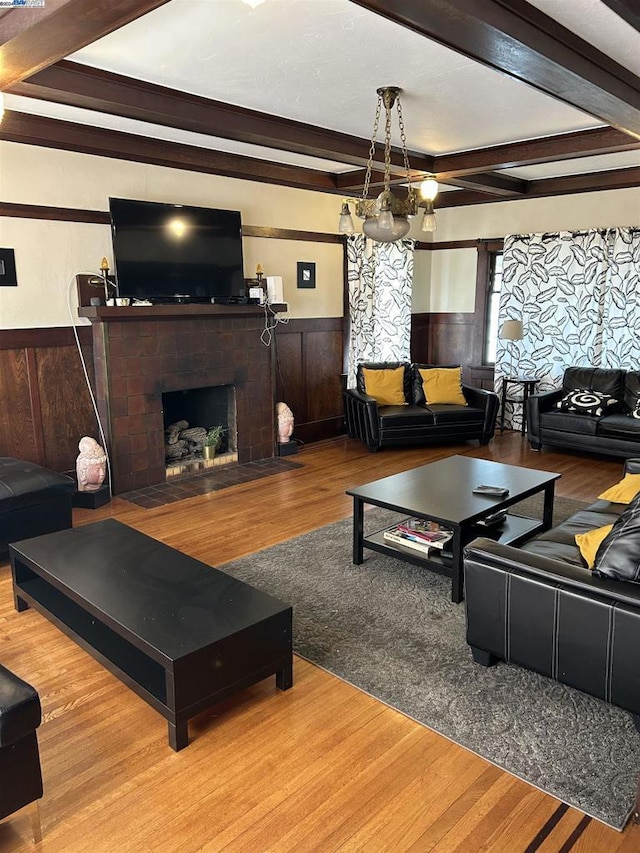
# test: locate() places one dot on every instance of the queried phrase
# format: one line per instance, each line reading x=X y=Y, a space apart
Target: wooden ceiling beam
x=491 y=183
x=352 y=183
x=69 y=136
x=32 y=39
x=563 y=146
x=88 y=88
x=91 y=88
x=614 y=179
x=515 y=38
x=626 y=9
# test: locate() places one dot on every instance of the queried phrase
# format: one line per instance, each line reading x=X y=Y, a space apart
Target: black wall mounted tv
x=176 y=253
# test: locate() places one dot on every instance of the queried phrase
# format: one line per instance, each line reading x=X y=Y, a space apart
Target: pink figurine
x=285 y=422
x=91 y=465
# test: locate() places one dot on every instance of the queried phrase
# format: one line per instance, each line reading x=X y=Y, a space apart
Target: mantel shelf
x=103 y=313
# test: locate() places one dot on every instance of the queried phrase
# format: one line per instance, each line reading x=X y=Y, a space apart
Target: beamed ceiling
x=501 y=100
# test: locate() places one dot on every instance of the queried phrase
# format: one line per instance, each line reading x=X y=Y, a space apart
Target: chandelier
x=386 y=218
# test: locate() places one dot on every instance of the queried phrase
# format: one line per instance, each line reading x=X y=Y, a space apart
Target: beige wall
x=49 y=254
x=453 y=271
x=421 y=292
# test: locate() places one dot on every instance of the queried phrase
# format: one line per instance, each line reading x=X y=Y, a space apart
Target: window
x=494 y=285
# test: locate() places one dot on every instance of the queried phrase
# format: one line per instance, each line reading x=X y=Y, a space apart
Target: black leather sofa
x=539 y=606
x=616 y=433
x=416 y=422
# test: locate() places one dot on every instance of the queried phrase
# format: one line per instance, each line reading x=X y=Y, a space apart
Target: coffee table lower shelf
x=514 y=530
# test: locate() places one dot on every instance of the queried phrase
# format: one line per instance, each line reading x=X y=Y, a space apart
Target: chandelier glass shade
x=428 y=191
x=386 y=218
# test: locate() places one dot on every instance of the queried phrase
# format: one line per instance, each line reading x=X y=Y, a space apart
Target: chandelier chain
x=405 y=155
x=372 y=150
x=387 y=147
x=386 y=217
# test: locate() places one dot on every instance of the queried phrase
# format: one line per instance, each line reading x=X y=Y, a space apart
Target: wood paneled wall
x=308 y=366
x=45 y=407
x=45 y=404
x=451 y=339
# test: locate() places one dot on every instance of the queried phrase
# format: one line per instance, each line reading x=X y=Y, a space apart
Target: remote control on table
x=492 y=491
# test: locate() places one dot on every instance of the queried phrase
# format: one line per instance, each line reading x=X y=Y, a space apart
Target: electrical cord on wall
x=86 y=374
x=271 y=320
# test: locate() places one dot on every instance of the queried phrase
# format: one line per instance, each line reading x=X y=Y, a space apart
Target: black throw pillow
x=618 y=556
x=584 y=402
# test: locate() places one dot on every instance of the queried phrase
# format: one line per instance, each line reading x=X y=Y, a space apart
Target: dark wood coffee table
x=442 y=492
x=178 y=632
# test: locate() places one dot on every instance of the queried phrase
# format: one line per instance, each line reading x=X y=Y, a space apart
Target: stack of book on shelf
x=419 y=534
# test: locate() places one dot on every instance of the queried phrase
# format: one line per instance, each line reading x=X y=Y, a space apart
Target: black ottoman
x=33 y=501
x=20 y=773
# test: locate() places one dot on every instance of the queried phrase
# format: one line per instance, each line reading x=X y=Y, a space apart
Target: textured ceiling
x=319 y=62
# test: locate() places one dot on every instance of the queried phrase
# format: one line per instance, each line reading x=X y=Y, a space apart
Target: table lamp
x=511 y=330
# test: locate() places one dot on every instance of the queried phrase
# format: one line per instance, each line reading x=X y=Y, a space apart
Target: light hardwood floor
x=322 y=767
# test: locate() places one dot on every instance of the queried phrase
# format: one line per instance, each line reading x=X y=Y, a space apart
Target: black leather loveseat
x=541 y=607
x=417 y=422
x=615 y=432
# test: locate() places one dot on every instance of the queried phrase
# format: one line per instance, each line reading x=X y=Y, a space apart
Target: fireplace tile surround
x=142 y=352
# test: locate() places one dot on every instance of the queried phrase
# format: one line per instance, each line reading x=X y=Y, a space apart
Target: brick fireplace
x=141 y=353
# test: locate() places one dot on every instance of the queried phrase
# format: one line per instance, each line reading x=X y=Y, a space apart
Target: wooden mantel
x=157 y=312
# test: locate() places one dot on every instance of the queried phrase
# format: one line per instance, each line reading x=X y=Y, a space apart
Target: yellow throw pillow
x=624 y=491
x=443 y=385
x=386 y=385
x=589 y=542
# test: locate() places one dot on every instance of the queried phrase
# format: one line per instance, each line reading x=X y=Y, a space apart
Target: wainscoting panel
x=17 y=434
x=289 y=382
x=420 y=338
x=65 y=405
x=45 y=405
x=480 y=376
x=308 y=376
x=451 y=339
x=323 y=355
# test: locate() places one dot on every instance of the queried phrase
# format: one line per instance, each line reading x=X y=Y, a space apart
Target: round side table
x=528 y=384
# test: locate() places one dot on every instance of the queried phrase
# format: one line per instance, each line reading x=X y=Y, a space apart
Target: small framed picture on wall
x=306 y=274
x=8 y=277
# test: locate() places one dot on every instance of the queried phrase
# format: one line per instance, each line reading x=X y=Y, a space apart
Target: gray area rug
x=391 y=629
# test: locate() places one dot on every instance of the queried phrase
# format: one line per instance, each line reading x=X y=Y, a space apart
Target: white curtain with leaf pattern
x=577 y=296
x=379 y=277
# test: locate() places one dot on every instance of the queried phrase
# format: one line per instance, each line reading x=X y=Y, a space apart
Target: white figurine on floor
x=285 y=422
x=91 y=465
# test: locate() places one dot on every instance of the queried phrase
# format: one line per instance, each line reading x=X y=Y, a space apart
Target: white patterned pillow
x=584 y=402
x=635 y=412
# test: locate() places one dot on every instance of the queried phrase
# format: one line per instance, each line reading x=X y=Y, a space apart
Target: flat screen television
x=176 y=253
